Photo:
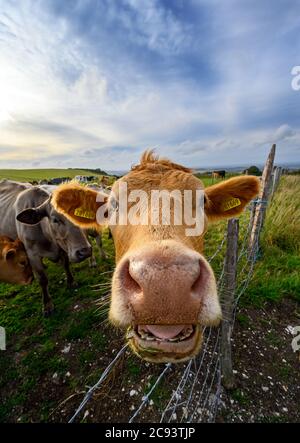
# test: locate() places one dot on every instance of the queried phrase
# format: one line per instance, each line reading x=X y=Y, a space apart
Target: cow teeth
x=184 y=336
x=148 y=336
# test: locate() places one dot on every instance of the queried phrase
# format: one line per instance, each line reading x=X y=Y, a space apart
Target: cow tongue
x=165 y=332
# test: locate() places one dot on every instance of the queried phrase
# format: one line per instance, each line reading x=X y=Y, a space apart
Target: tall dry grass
x=282 y=225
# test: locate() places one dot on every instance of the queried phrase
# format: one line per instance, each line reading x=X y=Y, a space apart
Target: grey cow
x=26 y=212
x=92 y=233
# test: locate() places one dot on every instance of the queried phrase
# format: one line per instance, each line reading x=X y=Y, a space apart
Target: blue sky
x=95 y=82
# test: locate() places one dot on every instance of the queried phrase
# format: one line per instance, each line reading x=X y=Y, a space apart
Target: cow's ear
x=228 y=199
x=32 y=216
x=9 y=254
x=79 y=204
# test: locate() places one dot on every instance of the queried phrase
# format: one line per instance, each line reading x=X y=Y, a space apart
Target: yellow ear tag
x=229 y=204
x=84 y=213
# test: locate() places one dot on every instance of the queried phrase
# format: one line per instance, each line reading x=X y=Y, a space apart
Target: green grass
x=160 y=394
x=241 y=397
x=277 y=273
x=207 y=180
x=133 y=367
x=243 y=320
x=34 y=343
x=282 y=227
x=24 y=175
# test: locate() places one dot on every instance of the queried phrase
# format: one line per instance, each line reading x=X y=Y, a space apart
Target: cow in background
x=14 y=264
x=218 y=174
x=27 y=213
x=90 y=233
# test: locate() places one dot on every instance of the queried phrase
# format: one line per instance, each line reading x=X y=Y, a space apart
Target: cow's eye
x=22 y=264
x=55 y=220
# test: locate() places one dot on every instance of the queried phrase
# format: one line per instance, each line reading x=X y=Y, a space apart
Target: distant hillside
x=24 y=175
x=242 y=167
x=96 y=171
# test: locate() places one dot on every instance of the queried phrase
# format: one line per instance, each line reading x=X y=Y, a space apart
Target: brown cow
x=163 y=289
x=218 y=174
x=14 y=264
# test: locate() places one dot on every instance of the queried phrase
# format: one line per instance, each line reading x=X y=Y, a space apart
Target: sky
x=93 y=83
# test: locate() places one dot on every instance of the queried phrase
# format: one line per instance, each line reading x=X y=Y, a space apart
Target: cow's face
x=163 y=289
x=70 y=238
x=15 y=266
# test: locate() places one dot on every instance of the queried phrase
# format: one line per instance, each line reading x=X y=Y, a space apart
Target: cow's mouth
x=165 y=343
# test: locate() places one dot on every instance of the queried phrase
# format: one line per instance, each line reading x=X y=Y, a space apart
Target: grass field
x=277 y=274
x=207 y=180
x=27 y=175
x=37 y=374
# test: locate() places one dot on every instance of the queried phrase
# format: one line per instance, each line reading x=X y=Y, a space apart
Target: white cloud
x=61 y=98
x=283 y=132
x=157 y=27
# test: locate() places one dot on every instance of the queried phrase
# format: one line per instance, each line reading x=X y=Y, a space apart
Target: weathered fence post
x=276 y=178
x=260 y=207
x=228 y=295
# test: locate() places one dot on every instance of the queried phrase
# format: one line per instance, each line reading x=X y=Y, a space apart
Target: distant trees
x=291 y=171
x=97 y=170
x=253 y=170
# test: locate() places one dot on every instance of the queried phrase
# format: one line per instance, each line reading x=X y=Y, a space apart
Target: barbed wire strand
x=91 y=391
x=205 y=381
x=147 y=396
x=209 y=391
x=176 y=393
x=199 y=369
x=216 y=403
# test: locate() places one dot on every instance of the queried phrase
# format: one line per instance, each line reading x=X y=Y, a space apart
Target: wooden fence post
x=260 y=208
x=227 y=300
x=277 y=172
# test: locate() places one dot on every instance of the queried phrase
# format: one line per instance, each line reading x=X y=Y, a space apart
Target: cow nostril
x=200 y=284
x=128 y=281
x=81 y=254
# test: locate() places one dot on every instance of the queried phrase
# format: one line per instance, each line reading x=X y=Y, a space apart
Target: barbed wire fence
x=197 y=392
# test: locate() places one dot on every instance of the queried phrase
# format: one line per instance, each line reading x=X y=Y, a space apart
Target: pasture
x=50 y=362
x=28 y=175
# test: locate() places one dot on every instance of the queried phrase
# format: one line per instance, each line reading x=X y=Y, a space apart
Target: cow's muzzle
x=164 y=294
x=82 y=254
